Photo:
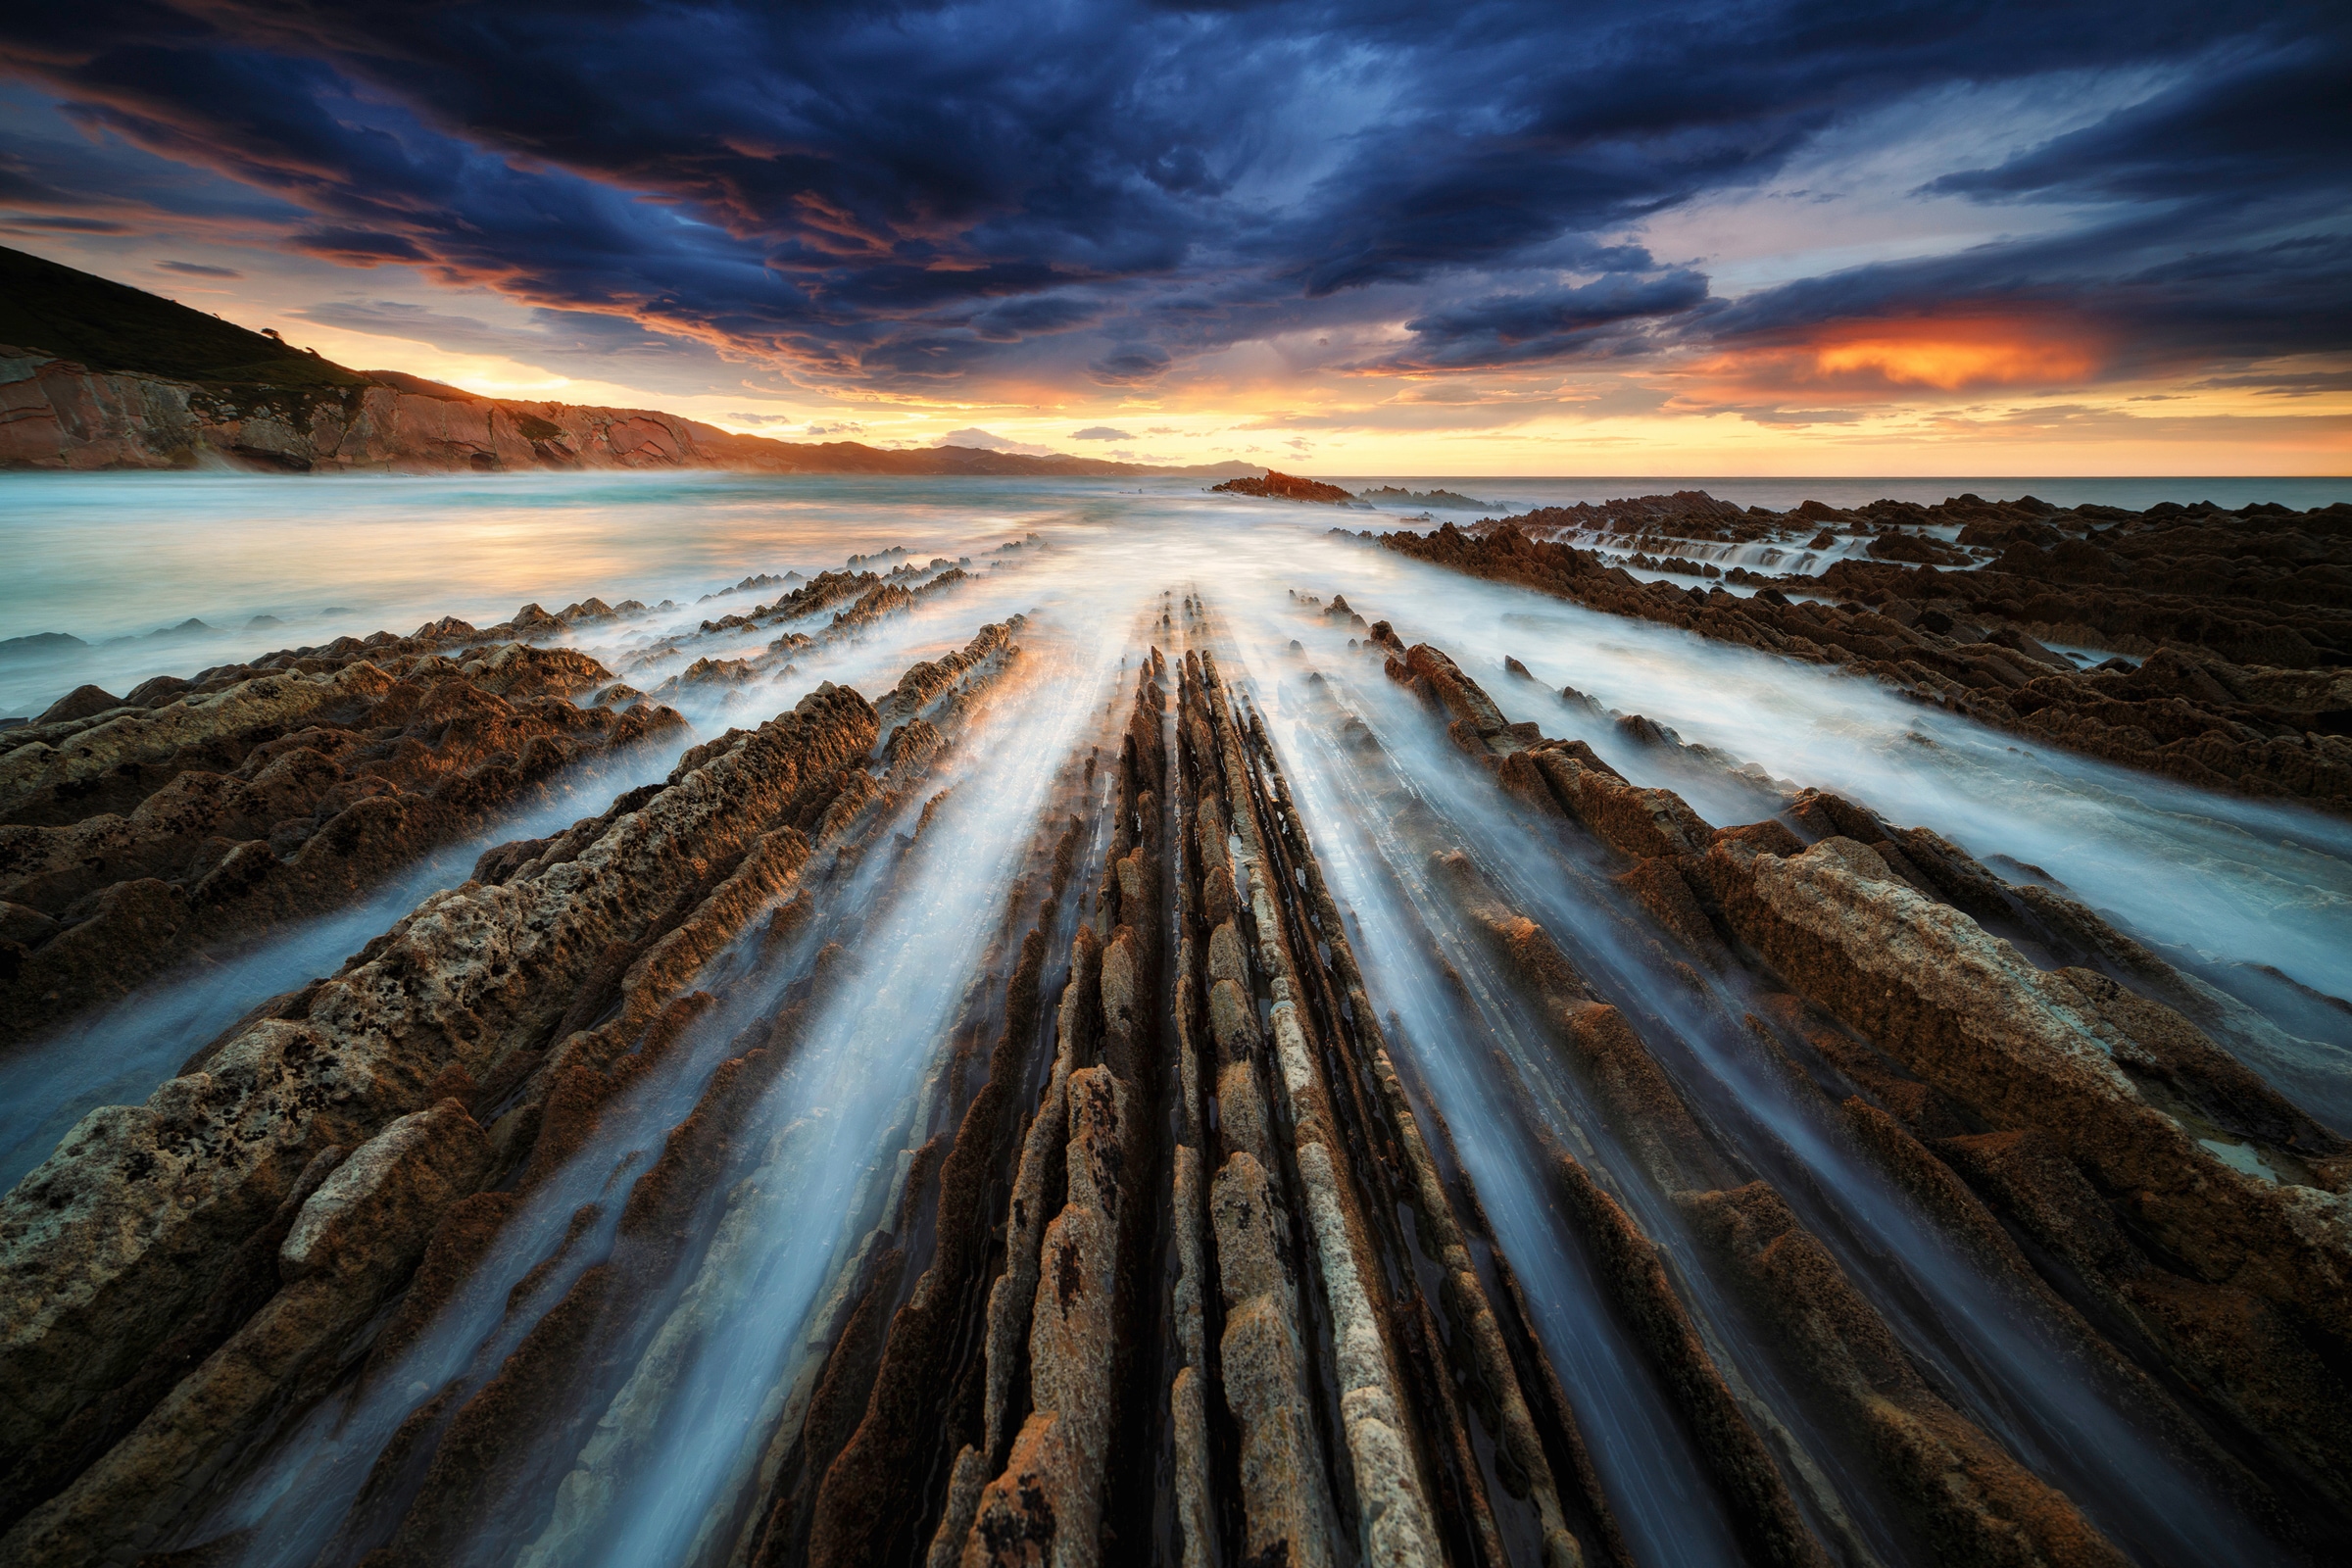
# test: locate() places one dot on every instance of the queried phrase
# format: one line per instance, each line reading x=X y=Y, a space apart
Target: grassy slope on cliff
x=113 y=327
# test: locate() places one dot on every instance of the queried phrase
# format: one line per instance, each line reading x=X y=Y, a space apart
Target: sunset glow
x=941 y=228
x=1176 y=784
x=1952 y=363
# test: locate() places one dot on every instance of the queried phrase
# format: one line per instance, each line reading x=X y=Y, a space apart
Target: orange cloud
x=1946 y=353
x=1939 y=358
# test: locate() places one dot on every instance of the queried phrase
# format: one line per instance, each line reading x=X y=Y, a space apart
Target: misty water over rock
x=700 y=1020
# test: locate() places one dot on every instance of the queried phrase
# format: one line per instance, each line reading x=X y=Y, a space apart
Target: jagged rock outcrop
x=2067 y=1054
x=866 y=599
x=2079 y=1103
x=1399 y=496
x=1968 y=1501
x=442 y=1479
x=464 y=643
x=1285 y=487
x=2274 y=724
x=353 y=1241
x=136 y=836
x=105 y=1247
x=1407 y=1437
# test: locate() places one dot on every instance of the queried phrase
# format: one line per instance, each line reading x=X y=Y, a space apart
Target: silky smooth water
x=123 y=561
x=2219 y=880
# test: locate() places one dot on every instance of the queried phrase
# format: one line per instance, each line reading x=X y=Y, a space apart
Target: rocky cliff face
x=102 y=375
x=56 y=414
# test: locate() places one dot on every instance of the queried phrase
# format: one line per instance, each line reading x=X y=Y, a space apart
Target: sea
x=113 y=577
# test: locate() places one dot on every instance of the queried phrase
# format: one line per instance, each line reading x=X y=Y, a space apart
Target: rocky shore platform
x=622 y=1200
x=2210 y=646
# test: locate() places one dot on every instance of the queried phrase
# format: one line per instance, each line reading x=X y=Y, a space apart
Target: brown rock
x=1762 y=1509
x=356 y=1239
x=1969 y=1501
x=277 y=798
x=1285 y=1501
x=103 y=1246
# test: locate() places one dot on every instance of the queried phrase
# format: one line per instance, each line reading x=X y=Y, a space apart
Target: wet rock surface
x=137 y=836
x=574 y=1220
x=2075 y=1106
x=2235 y=624
x=1277 y=486
x=492 y=986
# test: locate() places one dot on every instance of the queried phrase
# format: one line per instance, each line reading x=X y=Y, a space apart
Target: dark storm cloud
x=2215 y=230
x=2118 y=287
x=921 y=194
x=357 y=247
x=47 y=165
x=2274 y=126
x=71 y=226
x=21 y=186
x=1035 y=316
x=2283 y=386
x=1132 y=364
x=1515 y=328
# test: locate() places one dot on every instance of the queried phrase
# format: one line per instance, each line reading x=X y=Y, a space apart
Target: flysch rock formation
x=2067 y=1122
x=199 y=815
x=866 y=598
x=182 y=1273
x=2238 y=678
x=1162 y=1250
x=193 y=816
x=803 y=601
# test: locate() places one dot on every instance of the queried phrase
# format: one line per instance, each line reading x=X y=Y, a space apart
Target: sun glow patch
x=1951 y=362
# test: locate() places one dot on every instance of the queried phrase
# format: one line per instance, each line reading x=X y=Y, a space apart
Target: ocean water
x=120 y=564
x=123 y=564
x=1780 y=495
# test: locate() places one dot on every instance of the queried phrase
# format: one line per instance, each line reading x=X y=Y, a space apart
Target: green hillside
x=109 y=326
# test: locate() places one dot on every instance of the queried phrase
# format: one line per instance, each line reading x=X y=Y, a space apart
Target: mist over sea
x=124 y=562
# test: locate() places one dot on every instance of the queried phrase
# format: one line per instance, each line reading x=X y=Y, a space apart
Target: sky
x=1468 y=239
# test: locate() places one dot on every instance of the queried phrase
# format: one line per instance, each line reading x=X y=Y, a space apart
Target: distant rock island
x=1392 y=495
x=95 y=374
x=1286 y=487
x=1278 y=486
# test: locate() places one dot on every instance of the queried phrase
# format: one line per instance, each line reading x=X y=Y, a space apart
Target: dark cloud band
x=925 y=194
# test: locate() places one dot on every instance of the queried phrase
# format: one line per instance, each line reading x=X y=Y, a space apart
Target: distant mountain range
x=96 y=375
